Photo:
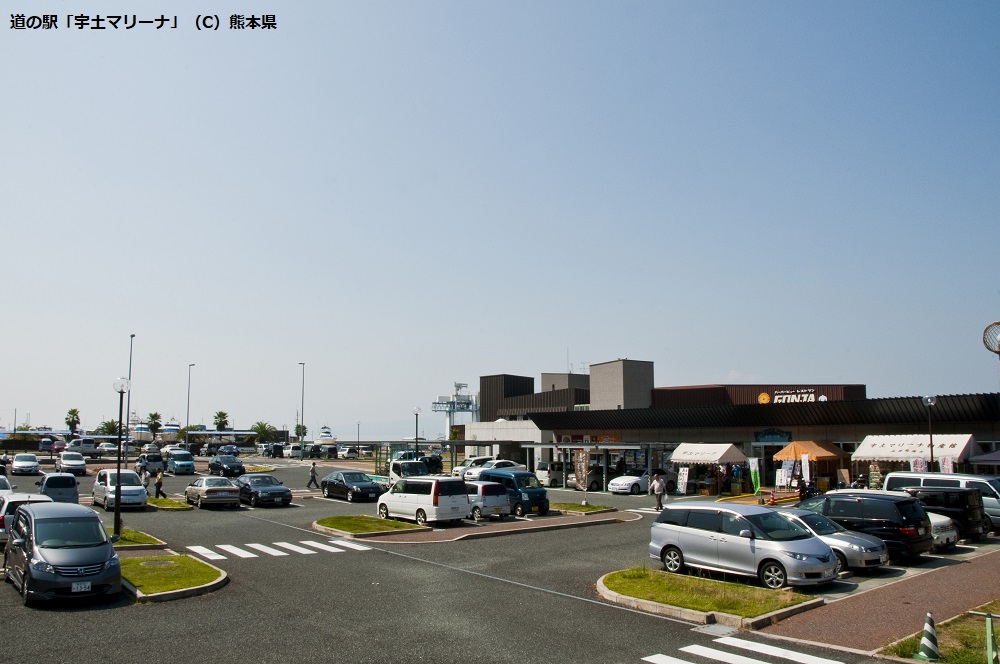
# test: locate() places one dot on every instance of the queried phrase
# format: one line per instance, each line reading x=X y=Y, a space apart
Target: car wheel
x=24 y=587
x=421 y=518
x=253 y=500
x=201 y=503
x=477 y=514
x=542 y=511
x=383 y=512
x=350 y=496
x=594 y=486
x=671 y=487
x=107 y=505
x=772 y=575
x=326 y=491
x=841 y=563
x=519 y=510
x=673 y=559
x=634 y=489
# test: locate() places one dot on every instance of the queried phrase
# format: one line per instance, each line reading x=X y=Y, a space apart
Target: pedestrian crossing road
x=643 y=510
x=727 y=656
x=276 y=549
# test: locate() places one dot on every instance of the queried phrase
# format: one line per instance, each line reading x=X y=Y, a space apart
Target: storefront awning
x=694 y=453
x=817 y=451
x=988 y=459
x=907 y=447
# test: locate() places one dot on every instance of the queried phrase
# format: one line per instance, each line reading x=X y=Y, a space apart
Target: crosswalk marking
x=663 y=659
x=268 y=550
x=323 y=547
x=293 y=547
x=206 y=553
x=236 y=551
x=351 y=545
x=774 y=651
x=720 y=655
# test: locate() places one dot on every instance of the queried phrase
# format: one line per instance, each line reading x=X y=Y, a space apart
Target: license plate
x=921 y=531
x=371 y=495
x=828 y=572
x=496 y=510
x=884 y=558
x=81 y=587
x=534 y=508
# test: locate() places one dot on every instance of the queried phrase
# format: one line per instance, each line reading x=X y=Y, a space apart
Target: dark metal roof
x=955 y=409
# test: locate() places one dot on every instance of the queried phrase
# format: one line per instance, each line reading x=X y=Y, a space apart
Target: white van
x=425 y=498
x=487 y=500
x=988 y=485
x=401 y=469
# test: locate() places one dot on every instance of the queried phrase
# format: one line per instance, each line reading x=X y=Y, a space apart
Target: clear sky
x=404 y=195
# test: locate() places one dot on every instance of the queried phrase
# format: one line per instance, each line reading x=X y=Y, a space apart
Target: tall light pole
x=930 y=402
x=416 y=430
x=128 y=400
x=359 y=431
x=121 y=386
x=302 y=413
x=187 y=418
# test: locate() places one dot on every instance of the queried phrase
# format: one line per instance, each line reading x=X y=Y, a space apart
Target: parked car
x=524 y=492
x=263 y=489
x=944 y=532
x=487 y=500
x=45 y=445
x=225 y=465
x=853 y=550
x=637 y=481
x=899 y=521
x=350 y=485
x=401 y=469
x=550 y=473
x=424 y=499
x=60 y=550
x=5 y=486
x=748 y=540
x=595 y=479
x=71 y=462
x=433 y=462
x=149 y=447
x=109 y=449
x=349 y=453
x=180 y=462
x=231 y=450
x=206 y=491
x=963 y=506
x=60 y=487
x=329 y=451
x=470 y=462
x=58 y=445
x=25 y=464
x=473 y=473
x=133 y=493
x=168 y=450
x=989 y=487
x=9 y=504
x=151 y=461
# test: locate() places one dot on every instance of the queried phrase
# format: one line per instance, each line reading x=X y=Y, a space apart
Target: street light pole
x=302 y=413
x=359 y=431
x=128 y=400
x=187 y=418
x=930 y=402
x=416 y=431
x=121 y=386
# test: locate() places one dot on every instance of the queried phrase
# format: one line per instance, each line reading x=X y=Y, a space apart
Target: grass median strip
x=576 y=507
x=159 y=574
x=129 y=537
x=168 y=503
x=364 y=524
x=690 y=592
x=960 y=641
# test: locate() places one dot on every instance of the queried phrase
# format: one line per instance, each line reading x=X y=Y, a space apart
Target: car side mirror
x=38 y=484
x=115 y=538
x=747 y=533
x=18 y=542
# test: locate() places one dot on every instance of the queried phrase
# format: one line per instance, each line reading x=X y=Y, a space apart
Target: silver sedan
x=213 y=491
x=853 y=549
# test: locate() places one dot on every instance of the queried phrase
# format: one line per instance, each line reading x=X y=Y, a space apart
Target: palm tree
x=72 y=421
x=221 y=420
x=153 y=421
x=301 y=431
x=263 y=432
x=108 y=428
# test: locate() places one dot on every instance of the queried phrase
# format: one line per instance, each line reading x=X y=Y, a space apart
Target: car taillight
x=908 y=530
x=1 y=521
x=437 y=485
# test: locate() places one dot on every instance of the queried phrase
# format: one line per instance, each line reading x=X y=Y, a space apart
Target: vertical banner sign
x=947 y=464
x=755 y=474
x=580 y=458
x=805 y=468
x=781 y=478
x=682 y=481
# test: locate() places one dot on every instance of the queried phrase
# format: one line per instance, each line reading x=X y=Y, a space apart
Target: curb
x=381 y=533
x=181 y=593
x=607 y=510
x=705 y=617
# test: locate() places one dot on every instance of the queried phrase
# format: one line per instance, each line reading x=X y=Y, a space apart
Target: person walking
x=158 y=484
x=312 y=476
x=3 y=463
x=658 y=488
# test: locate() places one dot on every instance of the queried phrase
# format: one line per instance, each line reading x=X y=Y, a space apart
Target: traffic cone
x=928 y=642
x=770 y=501
x=991 y=642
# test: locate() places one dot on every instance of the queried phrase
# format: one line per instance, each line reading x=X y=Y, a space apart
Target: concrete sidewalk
x=871 y=620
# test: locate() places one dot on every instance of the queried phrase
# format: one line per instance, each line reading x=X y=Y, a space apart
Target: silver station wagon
x=740 y=539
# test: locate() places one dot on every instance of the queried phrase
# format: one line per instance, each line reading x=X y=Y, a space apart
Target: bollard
x=928 y=642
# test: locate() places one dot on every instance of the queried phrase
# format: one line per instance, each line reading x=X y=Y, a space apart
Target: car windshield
x=182 y=456
x=775 y=527
x=60 y=482
x=227 y=459
x=72 y=456
x=217 y=481
x=356 y=477
x=69 y=533
x=820 y=525
x=4 y=483
x=128 y=479
x=25 y=457
x=265 y=480
x=528 y=482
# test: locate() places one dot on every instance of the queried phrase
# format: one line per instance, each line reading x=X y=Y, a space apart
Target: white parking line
x=664 y=659
x=293 y=547
x=236 y=551
x=719 y=655
x=268 y=550
x=774 y=651
x=206 y=553
x=351 y=545
x=323 y=547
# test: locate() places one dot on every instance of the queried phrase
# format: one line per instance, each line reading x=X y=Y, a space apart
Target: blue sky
x=403 y=195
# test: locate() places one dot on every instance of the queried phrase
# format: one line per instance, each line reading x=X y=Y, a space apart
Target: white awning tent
x=958 y=446
x=988 y=459
x=707 y=453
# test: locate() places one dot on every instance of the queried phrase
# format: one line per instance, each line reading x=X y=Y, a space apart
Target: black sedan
x=350 y=485
x=433 y=462
x=260 y=489
x=226 y=465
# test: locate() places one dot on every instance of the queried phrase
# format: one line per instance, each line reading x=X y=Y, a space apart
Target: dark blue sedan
x=350 y=485
x=261 y=489
x=226 y=465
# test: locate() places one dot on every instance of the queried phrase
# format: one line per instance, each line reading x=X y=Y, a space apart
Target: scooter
x=860 y=483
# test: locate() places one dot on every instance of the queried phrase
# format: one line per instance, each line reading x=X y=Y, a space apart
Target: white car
x=71 y=462
x=25 y=464
x=487 y=500
x=637 y=481
x=944 y=531
x=497 y=464
x=5 y=486
x=132 y=491
x=472 y=462
x=107 y=447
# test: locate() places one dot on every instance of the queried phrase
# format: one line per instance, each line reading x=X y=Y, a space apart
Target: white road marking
x=266 y=549
x=351 y=545
x=720 y=655
x=323 y=547
x=236 y=551
x=766 y=649
x=206 y=553
x=664 y=659
x=293 y=547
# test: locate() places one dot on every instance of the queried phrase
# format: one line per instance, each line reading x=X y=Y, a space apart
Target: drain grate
x=716 y=630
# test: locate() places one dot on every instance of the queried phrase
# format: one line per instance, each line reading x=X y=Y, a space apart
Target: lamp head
x=929 y=401
x=121 y=385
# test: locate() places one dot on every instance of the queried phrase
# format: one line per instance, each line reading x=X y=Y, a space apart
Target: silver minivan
x=749 y=540
x=60 y=487
x=988 y=485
